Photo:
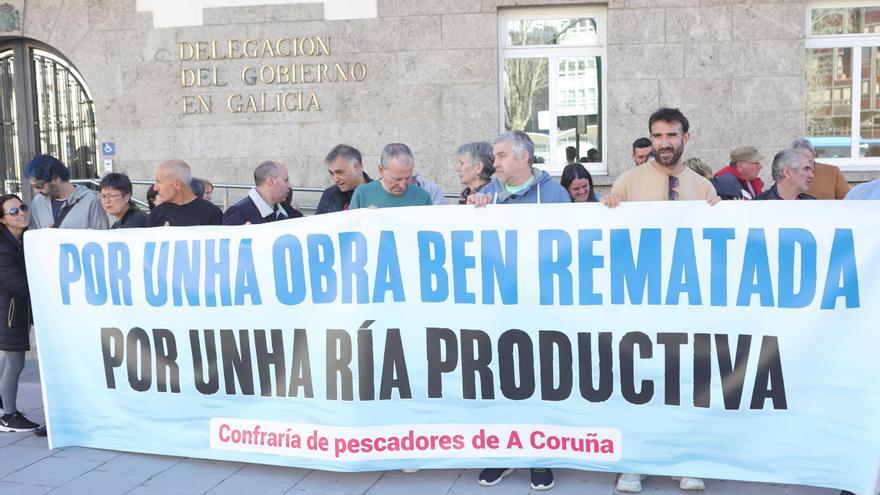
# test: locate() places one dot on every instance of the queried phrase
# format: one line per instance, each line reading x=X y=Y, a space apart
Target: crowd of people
x=498 y=173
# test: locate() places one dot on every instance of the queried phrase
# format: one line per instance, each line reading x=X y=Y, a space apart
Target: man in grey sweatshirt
x=59 y=203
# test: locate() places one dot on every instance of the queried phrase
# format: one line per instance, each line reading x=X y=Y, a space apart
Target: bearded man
x=664 y=178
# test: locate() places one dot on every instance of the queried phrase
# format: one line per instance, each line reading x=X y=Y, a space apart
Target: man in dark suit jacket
x=264 y=203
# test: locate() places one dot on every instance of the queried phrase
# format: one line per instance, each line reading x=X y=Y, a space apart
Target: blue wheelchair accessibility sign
x=108 y=149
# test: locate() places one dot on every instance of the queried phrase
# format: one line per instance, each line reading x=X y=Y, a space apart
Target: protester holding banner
x=392 y=189
x=664 y=178
x=265 y=201
x=517 y=181
x=116 y=200
x=179 y=205
x=14 y=302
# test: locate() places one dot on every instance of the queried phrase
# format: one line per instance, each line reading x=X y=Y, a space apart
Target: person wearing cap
x=740 y=180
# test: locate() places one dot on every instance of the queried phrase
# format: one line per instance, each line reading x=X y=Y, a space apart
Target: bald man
x=179 y=206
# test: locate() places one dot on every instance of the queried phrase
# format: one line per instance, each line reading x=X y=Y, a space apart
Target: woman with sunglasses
x=15 y=308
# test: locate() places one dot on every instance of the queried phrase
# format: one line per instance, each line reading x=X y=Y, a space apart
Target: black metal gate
x=45 y=107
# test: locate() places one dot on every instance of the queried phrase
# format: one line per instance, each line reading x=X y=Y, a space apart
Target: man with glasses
x=265 y=201
x=115 y=197
x=740 y=180
x=663 y=179
x=59 y=203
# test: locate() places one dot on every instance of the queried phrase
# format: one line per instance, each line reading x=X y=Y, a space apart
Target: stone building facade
x=422 y=73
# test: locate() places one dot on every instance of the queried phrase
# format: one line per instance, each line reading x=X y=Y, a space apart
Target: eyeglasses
x=108 y=197
x=14 y=211
x=39 y=184
x=673 y=183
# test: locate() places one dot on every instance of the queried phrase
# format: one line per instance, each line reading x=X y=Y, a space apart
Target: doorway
x=45 y=108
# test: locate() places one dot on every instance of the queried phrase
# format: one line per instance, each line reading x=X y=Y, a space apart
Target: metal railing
x=307 y=208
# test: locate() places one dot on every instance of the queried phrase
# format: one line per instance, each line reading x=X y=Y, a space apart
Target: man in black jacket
x=264 y=202
x=793 y=174
x=346 y=171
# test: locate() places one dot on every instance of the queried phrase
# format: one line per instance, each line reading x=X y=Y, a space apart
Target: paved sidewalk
x=27 y=466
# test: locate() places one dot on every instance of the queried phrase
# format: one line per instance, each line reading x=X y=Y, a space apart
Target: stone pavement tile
x=152 y=490
x=87 y=453
x=52 y=471
x=144 y=464
x=8 y=438
x=281 y=472
x=194 y=474
x=31 y=440
x=810 y=490
x=252 y=485
x=425 y=481
x=578 y=482
x=513 y=484
x=427 y=475
x=338 y=483
x=725 y=487
x=19 y=489
x=584 y=476
x=100 y=483
x=13 y=458
x=29 y=397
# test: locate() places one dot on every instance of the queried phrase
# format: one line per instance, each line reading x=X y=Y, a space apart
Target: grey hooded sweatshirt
x=85 y=211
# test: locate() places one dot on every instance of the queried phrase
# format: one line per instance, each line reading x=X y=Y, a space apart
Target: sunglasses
x=673 y=183
x=16 y=210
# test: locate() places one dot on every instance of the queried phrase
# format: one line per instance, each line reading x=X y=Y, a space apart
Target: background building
x=225 y=84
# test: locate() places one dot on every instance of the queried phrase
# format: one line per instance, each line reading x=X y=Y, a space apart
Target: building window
x=552 y=80
x=842 y=90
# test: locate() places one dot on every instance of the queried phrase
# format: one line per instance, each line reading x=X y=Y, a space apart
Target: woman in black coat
x=15 y=309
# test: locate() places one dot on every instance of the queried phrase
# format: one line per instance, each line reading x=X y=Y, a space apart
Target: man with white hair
x=793 y=173
x=393 y=189
x=517 y=181
x=828 y=180
x=265 y=201
x=179 y=205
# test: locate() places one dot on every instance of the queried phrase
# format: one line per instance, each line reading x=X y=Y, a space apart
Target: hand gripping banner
x=737 y=341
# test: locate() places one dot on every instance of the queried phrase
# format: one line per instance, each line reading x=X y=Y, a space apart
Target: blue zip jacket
x=543 y=190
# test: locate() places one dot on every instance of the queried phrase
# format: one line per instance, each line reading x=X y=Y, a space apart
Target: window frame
x=856 y=42
x=552 y=53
